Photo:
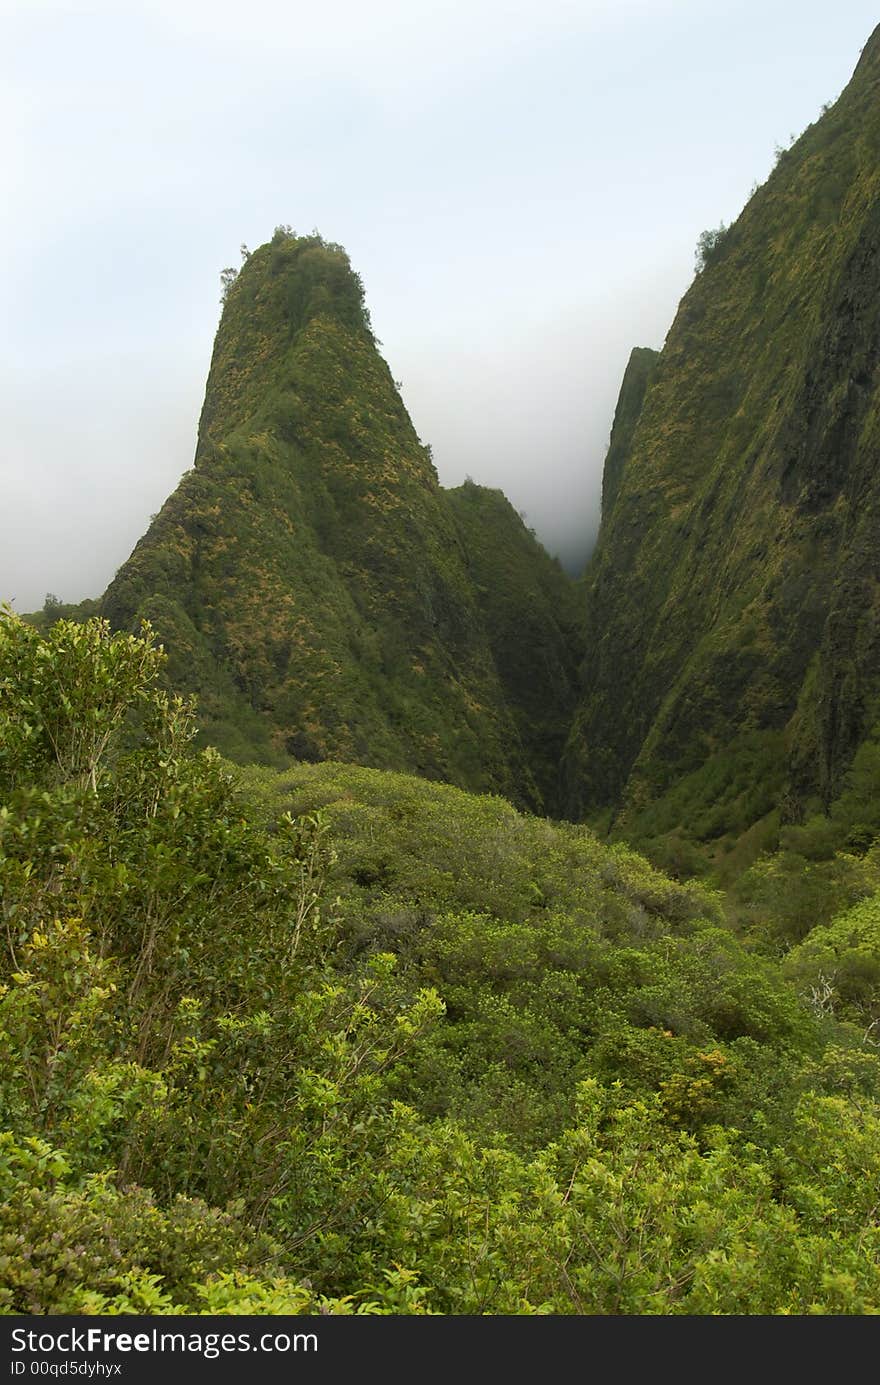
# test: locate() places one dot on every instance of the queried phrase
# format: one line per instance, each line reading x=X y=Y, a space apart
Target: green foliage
x=64 y=699
x=619 y=1216
x=68 y=1243
x=557 y=957
x=785 y=895
x=838 y=965
x=709 y=246
x=159 y=947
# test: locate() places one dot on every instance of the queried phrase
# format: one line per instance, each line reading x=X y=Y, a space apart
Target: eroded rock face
x=733 y=660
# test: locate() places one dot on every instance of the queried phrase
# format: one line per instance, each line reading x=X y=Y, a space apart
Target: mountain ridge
x=730 y=609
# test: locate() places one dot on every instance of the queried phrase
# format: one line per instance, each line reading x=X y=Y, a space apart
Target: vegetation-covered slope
x=559 y=958
x=529 y=609
x=308 y=576
x=408 y=1052
x=733 y=664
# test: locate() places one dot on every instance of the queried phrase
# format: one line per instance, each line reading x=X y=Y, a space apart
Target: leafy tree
x=228 y=277
x=709 y=244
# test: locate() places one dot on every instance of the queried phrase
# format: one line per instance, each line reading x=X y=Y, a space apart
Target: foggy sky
x=520 y=185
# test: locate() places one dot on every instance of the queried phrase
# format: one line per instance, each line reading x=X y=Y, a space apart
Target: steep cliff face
x=733 y=603
x=308 y=576
x=531 y=615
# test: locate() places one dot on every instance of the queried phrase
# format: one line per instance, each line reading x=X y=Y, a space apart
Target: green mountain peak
x=309 y=576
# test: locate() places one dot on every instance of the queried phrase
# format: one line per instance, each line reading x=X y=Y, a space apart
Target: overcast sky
x=520 y=183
